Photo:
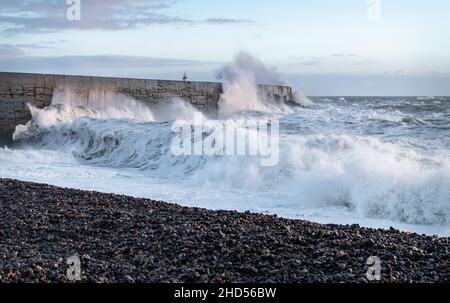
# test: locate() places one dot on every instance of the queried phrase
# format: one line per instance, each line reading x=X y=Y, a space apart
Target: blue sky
x=322 y=47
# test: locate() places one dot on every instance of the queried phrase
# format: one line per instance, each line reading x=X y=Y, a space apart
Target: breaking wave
x=359 y=173
x=240 y=93
x=384 y=159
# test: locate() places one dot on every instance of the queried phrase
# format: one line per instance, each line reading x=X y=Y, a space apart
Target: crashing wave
x=362 y=174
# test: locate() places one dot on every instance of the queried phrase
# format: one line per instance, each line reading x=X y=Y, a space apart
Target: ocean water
x=374 y=161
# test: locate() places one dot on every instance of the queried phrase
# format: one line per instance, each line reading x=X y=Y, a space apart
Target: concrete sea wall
x=19 y=89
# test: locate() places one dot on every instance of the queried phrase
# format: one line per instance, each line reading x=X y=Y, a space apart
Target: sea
x=379 y=162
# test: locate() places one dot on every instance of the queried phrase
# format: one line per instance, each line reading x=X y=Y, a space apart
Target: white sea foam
x=360 y=174
x=240 y=92
x=340 y=162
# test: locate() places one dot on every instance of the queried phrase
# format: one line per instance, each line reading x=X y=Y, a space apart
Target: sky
x=321 y=47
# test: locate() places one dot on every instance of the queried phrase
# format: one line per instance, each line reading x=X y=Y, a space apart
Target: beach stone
x=128 y=240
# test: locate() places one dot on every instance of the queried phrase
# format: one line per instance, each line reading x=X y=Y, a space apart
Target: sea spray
x=107 y=103
x=254 y=137
x=361 y=174
x=69 y=105
x=240 y=91
x=300 y=99
x=346 y=162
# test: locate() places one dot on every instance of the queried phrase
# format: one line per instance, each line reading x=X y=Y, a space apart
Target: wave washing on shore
x=374 y=161
x=379 y=162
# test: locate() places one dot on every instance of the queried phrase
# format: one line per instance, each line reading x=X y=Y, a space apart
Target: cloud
x=308 y=61
x=111 y=66
x=7 y=51
x=36 y=46
x=371 y=85
x=47 y=16
x=344 y=55
x=228 y=21
x=17 y=50
x=339 y=59
x=24 y=16
x=67 y=63
x=362 y=62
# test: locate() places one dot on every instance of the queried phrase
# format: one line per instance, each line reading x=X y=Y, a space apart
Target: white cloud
x=21 y=16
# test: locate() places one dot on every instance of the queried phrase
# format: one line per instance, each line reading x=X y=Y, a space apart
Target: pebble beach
x=124 y=239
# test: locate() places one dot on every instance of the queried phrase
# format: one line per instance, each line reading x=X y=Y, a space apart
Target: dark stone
x=127 y=240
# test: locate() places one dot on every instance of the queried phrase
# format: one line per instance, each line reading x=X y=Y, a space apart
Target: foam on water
x=379 y=162
x=328 y=177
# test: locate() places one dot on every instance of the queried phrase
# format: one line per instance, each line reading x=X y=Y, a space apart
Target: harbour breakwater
x=17 y=90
